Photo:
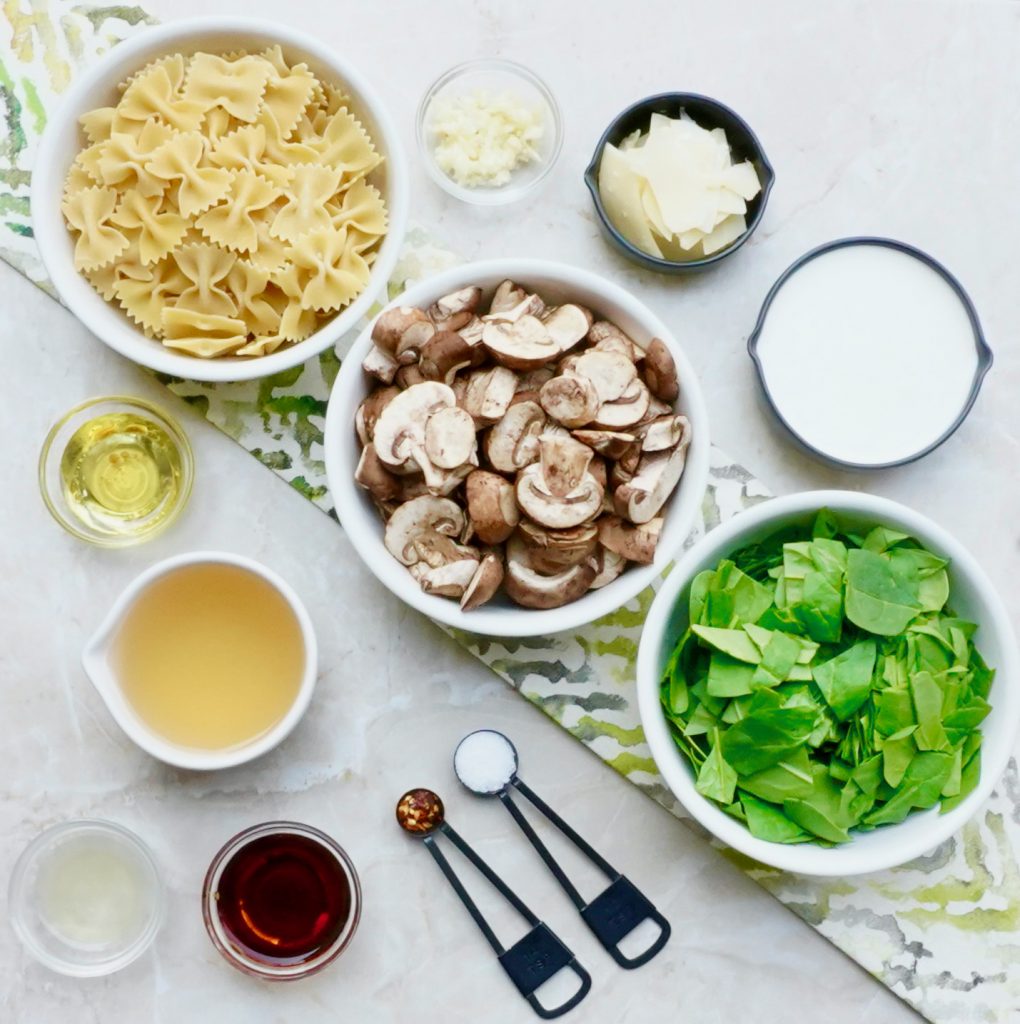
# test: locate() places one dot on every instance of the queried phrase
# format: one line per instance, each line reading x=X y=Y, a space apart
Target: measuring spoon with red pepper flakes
x=532 y=960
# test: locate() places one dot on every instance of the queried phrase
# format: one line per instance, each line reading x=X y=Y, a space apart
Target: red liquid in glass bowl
x=281 y=900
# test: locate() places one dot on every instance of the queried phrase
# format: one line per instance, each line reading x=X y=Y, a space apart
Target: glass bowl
x=231 y=949
x=93 y=524
x=75 y=886
x=493 y=75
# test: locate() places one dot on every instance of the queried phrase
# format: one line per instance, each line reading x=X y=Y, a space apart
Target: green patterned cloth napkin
x=942 y=932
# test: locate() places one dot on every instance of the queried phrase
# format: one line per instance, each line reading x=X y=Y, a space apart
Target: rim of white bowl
x=365 y=530
x=97 y=668
x=856 y=857
x=105 y=320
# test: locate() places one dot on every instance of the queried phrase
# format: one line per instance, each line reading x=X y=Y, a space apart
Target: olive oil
x=210 y=656
x=121 y=472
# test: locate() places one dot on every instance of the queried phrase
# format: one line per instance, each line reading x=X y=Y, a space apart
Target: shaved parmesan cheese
x=725 y=234
x=742 y=179
x=674 y=190
x=620 y=189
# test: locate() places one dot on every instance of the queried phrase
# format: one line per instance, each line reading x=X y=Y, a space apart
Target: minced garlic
x=481 y=138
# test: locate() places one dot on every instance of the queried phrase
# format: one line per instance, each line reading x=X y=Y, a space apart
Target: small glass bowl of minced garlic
x=489 y=131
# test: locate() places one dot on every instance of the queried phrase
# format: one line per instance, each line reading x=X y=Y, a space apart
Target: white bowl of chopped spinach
x=829 y=683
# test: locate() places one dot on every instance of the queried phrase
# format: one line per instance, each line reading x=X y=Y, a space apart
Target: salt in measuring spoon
x=529 y=962
x=486 y=763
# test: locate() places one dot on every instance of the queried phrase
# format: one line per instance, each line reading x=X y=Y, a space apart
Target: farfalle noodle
x=305 y=209
x=159 y=230
x=222 y=202
x=179 y=160
x=330 y=271
x=89 y=211
x=230 y=224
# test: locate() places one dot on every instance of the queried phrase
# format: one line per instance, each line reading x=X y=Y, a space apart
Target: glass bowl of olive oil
x=116 y=471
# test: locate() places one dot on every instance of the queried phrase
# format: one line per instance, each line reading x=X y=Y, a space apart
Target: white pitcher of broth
x=206 y=660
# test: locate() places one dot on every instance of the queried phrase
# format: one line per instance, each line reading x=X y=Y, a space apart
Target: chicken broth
x=210 y=656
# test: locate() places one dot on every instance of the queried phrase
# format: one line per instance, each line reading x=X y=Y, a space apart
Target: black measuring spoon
x=532 y=960
x=486 y=763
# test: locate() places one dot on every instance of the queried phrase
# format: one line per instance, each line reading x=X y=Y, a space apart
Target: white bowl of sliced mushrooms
x=517 y=447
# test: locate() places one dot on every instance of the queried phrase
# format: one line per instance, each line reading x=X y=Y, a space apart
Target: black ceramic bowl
x=984 y=362
x=709 y=114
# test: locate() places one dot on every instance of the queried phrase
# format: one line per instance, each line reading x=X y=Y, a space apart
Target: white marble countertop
x=867 y=110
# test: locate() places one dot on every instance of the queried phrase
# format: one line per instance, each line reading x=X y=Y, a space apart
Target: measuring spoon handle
x=618 y=909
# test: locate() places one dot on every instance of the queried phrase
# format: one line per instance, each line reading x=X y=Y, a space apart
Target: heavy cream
x=868 y=353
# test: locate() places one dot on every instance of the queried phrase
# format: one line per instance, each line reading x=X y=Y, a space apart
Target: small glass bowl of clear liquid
x=86 y=898
x=116 y=471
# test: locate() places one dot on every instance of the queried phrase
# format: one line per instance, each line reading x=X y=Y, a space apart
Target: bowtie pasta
x=223 y=202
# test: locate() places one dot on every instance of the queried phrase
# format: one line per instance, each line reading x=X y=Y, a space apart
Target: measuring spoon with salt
x=531 y=961
x=486 y=763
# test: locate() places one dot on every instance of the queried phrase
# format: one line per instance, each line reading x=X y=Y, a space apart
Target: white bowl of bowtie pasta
x=220 y=198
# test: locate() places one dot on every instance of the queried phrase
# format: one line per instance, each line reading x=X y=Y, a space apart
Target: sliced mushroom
x=552 y=551
x=627 y=410
x=380 y=364
x=532 y=590
x=472 y=331
x=506 y=296
x=373 y=475
x=400 y=430
x=567 y=363
x=607 y=337
x=513 y=442
x=453 y=311
x=370 y=410
x=423 y=530
x=662 y=433
x=660 y=371
x=450 y=438
x=597 y=468
x=444 y=355
x=527 y=305
x=611 y=373
x=657 y=475
x=449 y=580
x=524 y=396
x=409 y=375
x=484 y=583
x=564 y=463
x=402 y=331
x=491 y=506
x=558 y=513
x=441 y=482
x=489 y=392
x=385 y=508
x=656 y=410
x=534 y=379
x=522 y=344
x=572 y=401
x=567 y=325
x=608 y=566
x=618 y=476
x=610 y=443
x=630 y=459
x=635 y=542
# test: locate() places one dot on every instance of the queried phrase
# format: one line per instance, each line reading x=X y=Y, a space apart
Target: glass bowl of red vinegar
x=281 y=901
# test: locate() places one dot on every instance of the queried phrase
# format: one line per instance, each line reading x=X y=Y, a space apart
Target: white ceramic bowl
x=63 y=140
x=971 y=596
x=556 y=283
x=96 y=662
